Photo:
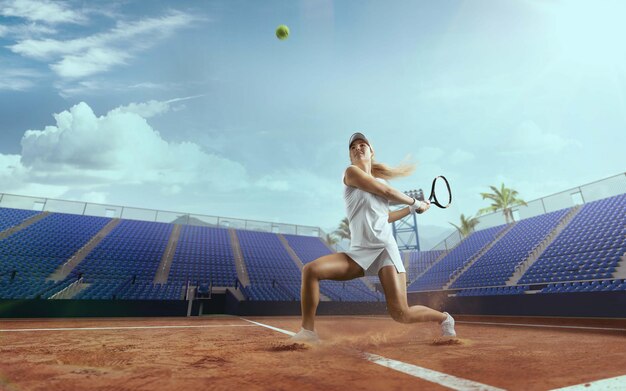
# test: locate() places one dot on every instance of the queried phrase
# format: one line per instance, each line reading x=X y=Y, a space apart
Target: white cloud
x=10 y=167
x=41 y=11
x=96 y=197
x=80 y=87
x=171 y=190
x=145 y=110
x=429 y=154
x=16 y=79
x=269 y=182
x=453 y=87
x=15 y=84
x=459 y=156
x=529 y=138
x=86 y=56
x=119 y=158
x=14 y=177
x=47 y=49
x=27 y=30
x=123 y=148
x=532 y=189
x=148 y=85
x=153 y=107
x=91 y=61
x=70 y=88
x=297 y=183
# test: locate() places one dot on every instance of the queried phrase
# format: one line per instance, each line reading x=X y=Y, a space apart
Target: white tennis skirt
x=371 y=267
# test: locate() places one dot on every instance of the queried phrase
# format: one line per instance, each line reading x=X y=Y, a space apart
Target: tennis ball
x=282 y=32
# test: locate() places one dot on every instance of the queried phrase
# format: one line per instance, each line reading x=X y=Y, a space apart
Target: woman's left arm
x=398 y=214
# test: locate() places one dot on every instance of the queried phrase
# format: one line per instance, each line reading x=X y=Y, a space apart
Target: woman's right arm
x=355 y=177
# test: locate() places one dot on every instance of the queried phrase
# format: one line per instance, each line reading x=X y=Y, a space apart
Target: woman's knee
x=399 y=313
x=309 y=271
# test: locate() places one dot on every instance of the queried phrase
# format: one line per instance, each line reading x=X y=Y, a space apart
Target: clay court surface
x=230 y=353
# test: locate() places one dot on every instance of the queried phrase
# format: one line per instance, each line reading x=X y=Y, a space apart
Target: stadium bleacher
x=498 y=264
x=586 y=286
x=589 y=248
x=128 y=257
x=29 y=256
x=494 y=291
x=13 y=217
x=584 y=257
x=204 y=254
x=269 y=266
x=439 y=274
x=309 y=249
x=420 y=261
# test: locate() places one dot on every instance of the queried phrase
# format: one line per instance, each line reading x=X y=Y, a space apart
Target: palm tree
x=343 y=231
x=331 y=239
x=502 y=199
x=467 y=225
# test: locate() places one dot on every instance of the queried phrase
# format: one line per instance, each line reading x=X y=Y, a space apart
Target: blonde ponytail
x=381 y=170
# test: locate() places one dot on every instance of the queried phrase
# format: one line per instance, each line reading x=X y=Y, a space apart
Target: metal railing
x=597 y=190
x=124 y=212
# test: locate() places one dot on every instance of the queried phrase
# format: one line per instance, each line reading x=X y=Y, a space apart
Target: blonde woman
x=373 y=248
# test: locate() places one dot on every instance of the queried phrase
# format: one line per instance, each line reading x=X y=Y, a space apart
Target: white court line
x=512 y=324
x=125 y=328
x=443 y=379
x=615 y=383
x=290 y=333
x=456 y=383
x=544 y=325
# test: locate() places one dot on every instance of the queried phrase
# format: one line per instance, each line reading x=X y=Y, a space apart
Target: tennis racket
x=440 y=193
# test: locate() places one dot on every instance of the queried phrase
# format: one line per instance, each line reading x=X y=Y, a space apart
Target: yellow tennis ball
x=282 y=32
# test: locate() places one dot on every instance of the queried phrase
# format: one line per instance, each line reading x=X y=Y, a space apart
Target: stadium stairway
x=71 y=290
x=240 y=264
x=24 y=224
x=476 y=257
x=66 y=268
x=296 y=259
x=406 y=259
x=620 y=270
x=166 y=260
x=552 y=236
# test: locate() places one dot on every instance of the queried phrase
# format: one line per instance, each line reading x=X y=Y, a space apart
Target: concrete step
x=620 y=270
x=479 y=254
x=71 y=291
x=296 y=260
x=23 y=225
x=541 y=247
x=163 y=271
x=240 y=264
x=65 y=269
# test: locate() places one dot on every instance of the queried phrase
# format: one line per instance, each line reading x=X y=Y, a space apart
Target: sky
x=196 y=106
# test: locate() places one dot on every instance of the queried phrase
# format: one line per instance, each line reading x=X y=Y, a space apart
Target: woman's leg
x=337 y=266
x=394 y=285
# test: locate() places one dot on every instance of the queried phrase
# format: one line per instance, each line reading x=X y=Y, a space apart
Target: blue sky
x=195 y=105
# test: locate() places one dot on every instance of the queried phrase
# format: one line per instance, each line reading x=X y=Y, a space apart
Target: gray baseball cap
x=358 y=136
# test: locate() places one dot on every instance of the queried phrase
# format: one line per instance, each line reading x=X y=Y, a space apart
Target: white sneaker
x=447 y=326
x=305 y=336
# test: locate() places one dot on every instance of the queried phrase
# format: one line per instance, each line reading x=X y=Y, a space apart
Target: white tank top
x=370 y=233
x=368 y=215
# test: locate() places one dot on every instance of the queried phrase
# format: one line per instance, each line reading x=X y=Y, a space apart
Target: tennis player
x=373 y=248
